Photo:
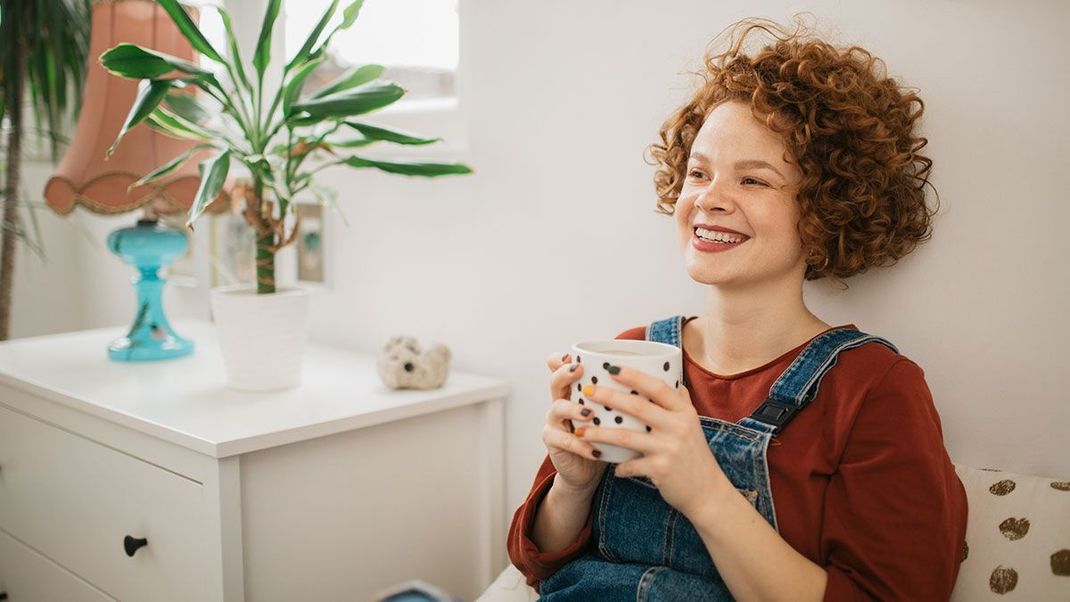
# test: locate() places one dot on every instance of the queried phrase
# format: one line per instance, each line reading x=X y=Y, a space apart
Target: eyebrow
x=744 y=164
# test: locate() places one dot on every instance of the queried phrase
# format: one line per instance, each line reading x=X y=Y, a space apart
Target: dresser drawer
x=75 y=501
x=27 y=576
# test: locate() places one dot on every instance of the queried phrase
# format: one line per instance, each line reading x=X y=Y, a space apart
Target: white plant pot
x=262 y=337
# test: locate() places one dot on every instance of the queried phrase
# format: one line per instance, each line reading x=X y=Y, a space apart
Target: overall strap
x=666 y=331
x=798 y=385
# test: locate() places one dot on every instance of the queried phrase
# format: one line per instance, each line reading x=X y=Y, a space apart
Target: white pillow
x=510 y=586
x=1017 y=537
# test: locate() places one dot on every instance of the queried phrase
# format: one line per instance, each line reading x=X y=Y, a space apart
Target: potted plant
x=282 y=137
x=43 y=50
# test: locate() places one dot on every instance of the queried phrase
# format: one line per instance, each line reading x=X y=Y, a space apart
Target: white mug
x=659 y=360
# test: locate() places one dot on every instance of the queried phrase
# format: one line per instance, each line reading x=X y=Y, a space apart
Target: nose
x=714 y=197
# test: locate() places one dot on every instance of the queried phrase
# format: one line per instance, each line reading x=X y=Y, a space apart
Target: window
x=415 y=40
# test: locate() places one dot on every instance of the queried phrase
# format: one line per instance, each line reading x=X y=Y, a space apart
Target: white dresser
x=153 y=481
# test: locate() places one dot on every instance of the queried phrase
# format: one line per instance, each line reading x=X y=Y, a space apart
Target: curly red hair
x=850 y=129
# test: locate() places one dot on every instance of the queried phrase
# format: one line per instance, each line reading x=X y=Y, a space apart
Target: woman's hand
x=573 y=458
x=676 y=456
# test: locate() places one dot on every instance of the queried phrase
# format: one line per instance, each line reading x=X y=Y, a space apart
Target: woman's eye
x=752 y=180
x=694 y=173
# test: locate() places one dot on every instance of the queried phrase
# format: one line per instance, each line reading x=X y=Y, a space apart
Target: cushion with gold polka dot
x=1017 y=537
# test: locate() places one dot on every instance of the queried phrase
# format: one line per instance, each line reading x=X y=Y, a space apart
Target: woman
x=805 y=158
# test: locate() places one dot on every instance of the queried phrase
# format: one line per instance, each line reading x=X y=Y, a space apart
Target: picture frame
x=231 y=250
x=312 y=257
x=184 y=271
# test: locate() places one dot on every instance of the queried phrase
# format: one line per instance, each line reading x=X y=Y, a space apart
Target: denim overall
x=642 y=548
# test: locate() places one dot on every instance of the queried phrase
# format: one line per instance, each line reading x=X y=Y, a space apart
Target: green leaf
x=149 y=94
x=303 y=120
x=168 y=167
x=235 y=54
x=213 y=174
x=262 y=56
x=328 y=197
x=189 y=29
x=349 y=16
x=353 y=143
x=350 y=79
x=134 y=62
x=53 y=40
x=297 y=82
x=313 y=37
x=188 y=107
x=410 y=168
x=175 y=127
x=363 y=99
x=379 y=133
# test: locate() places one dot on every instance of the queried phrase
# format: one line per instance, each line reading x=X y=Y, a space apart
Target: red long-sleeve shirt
x=860 y=478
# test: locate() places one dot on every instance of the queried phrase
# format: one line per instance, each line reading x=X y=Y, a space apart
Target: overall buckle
x=775 y=413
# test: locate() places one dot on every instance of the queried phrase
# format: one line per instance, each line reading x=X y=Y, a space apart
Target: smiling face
x=737 y=179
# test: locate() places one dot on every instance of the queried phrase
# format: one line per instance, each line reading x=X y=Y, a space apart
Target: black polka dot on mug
x=648 y=429
x=581 y=401
x=579 y=386
x=618 y=419
x=634 y=392
x=608 y=409
x=605 y=365
x=594 y=379
x=597 y=421
x=666 y=366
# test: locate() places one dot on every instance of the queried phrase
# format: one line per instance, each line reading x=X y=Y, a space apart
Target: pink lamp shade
x=86 y=175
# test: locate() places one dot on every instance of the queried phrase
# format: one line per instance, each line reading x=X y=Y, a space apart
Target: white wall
x=555 y=238
x=48 y=288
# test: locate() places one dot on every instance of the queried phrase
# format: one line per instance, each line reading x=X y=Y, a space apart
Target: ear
x=440 y=350
x=391 y=343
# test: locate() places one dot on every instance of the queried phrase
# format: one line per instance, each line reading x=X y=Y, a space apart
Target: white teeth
x=718 y=236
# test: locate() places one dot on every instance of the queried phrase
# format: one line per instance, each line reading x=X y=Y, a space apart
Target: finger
x=654 y=389
x=562 y=380
x=633 y=405
x=563 y=411
x=568 y=442
x=555 y=359
x=639 y=467
x=640 y=442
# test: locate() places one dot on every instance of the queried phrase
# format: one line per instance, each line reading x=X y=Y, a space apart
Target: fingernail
x=573 y=367
x=588 y=390
x=564 y=358
x=613 y=369
x=580 y=430
x=585 y=412
x=596 y=453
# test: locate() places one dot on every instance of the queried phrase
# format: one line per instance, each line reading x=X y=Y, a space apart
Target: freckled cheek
x=683 y=210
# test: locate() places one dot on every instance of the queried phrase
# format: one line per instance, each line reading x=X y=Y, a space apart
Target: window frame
x=447 y=118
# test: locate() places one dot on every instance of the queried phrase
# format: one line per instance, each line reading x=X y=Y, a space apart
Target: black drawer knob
x=131 y=544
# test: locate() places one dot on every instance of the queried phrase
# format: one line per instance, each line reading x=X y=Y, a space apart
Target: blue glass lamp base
x=148 y=247
x=149 y=344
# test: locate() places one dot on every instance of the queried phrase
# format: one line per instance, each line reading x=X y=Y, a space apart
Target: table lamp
x=87 y=177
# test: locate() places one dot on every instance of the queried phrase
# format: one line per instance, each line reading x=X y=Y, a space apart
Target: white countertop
x=185 y=401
